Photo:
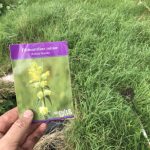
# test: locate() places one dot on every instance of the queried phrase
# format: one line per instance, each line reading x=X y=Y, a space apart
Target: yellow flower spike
x=30 y=81
x=43 y=110
x=40 y=95
x=35 y=72
x=43 y=84
x=40 y=69
x=47 y=92
x=36 y=77
x=36 y=85
x=45 y=75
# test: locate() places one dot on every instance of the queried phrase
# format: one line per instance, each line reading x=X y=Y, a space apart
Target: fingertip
x=28 y=114
x=43 y=127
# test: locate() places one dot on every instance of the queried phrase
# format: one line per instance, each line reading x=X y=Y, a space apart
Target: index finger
x=7 y=119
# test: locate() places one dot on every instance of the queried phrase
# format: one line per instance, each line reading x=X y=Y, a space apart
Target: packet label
x=42 y=79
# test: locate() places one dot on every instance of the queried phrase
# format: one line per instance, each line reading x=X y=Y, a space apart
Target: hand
x=18 y=133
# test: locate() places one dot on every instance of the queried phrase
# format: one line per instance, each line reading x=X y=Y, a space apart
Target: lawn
x=109 y=44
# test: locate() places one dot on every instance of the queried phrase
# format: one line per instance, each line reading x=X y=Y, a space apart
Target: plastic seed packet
x=42 y=79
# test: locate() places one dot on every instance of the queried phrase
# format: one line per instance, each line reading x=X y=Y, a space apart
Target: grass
x=109 y=44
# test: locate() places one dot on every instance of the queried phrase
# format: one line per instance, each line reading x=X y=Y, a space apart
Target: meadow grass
x=109 y=44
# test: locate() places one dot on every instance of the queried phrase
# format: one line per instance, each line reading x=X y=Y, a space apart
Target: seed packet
x=42 y=79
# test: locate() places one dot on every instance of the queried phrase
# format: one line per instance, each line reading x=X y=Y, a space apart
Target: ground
x=109 y=44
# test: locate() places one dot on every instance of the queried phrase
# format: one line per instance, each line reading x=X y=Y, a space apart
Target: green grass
x=109 y=44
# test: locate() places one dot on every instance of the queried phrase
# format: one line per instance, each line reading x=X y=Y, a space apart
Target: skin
x=19 y=133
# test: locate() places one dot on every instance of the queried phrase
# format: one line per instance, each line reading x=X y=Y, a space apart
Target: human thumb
x=17 y=131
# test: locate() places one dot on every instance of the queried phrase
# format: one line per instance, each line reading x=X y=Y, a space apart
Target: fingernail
x=28 y=114
x=43 y=126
